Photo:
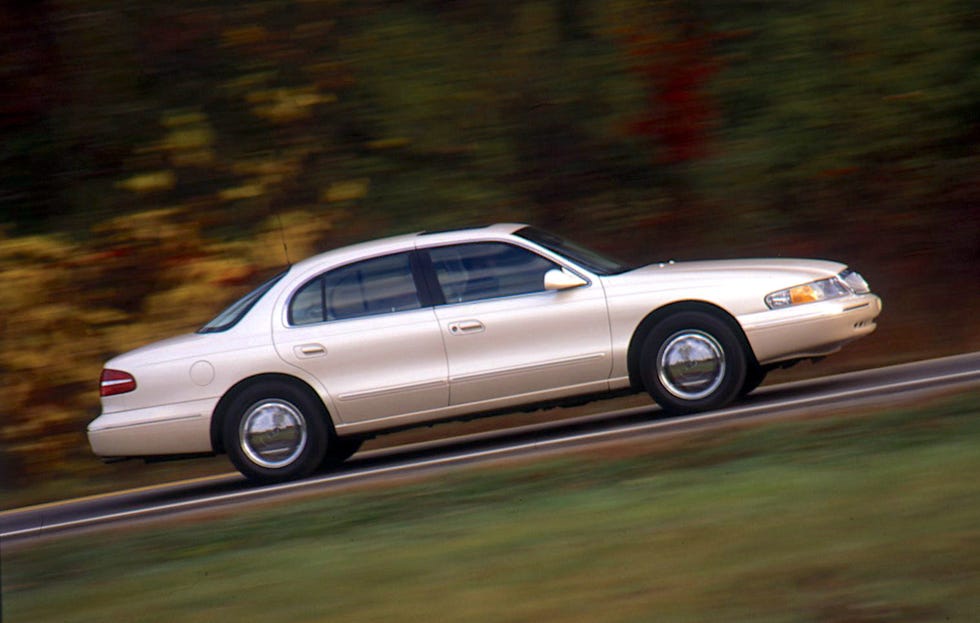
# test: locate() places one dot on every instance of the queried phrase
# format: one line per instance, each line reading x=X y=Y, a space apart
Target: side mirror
x=558 y=279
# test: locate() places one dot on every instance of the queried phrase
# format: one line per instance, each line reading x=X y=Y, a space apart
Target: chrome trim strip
x=450 y=304
x=169 y=420
x=534 y=367
x=397 y=389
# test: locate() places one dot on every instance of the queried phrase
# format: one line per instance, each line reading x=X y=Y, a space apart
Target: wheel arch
x=221 y=409
x=652 y=319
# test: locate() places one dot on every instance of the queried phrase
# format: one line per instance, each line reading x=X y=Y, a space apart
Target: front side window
x=378 y=286
x=484 y=270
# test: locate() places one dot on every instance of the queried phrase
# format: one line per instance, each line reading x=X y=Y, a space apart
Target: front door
x=506 y=336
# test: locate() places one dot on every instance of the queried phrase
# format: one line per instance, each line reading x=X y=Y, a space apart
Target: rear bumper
x=184 y=428
x=810 y=330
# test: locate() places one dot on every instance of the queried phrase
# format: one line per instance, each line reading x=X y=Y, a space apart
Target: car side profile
x=435 y=326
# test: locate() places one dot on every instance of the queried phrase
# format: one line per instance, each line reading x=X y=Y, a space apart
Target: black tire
x=339 y=449
x=709 y=363
x=289 y=432
x=754 y=376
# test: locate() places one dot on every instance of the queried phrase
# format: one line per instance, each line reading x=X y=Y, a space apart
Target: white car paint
x=456 y=358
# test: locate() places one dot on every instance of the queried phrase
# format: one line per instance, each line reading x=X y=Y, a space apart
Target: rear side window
x=485 y=270
x=377 y=286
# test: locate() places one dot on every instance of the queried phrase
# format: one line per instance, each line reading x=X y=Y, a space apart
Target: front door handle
x=466 y=326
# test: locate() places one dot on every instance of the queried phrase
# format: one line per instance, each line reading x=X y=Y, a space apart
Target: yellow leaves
x=49 y=343
x=167 y=225
x=246 y=35
x=153 y=181
x=183 y=156
x=348 y=190
x=275 y=169
x=233 y=274
x=247 y=191
x=187 y=143
x=178 y=119
x=189 y=140
x=265 y=176
x=286 y=105
x=325 y=68
x=102 y=317
x=34 y=248
x=181 y=308
x=26 y=361
x=302 y=231
x=31 y=269
x=389 y=143
x=246 y=82
x=222 y=268
x=319 y=28
x=67 y=307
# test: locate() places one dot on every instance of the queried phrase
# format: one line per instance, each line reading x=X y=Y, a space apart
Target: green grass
x=851 y=519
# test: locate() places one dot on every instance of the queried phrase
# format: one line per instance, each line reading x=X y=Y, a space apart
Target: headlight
x=855 y=282
x=812 y=292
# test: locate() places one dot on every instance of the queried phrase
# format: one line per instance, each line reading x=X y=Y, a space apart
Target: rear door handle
x=466 y=326
x=306 y=351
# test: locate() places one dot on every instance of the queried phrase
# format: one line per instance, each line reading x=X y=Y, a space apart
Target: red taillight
x=116 y=382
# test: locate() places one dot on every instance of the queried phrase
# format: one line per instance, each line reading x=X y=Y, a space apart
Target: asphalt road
x=893 y=384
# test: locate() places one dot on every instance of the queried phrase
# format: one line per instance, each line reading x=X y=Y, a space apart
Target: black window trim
x=427 y=283
x=422 y=289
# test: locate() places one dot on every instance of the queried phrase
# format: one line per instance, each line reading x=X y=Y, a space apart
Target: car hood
x=738 y=285
x=793 y=271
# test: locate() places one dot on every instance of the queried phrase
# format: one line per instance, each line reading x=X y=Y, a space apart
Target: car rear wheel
x=339 y=450
x=275 y=431
x=693 y=361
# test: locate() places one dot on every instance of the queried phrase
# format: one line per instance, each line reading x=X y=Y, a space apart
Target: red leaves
x=679 y=111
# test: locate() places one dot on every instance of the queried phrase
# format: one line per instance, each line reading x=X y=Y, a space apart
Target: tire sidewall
x=317 y=430
x=735 y=361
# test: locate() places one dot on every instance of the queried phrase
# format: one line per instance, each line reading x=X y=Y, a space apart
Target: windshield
x=237 y=310
x=585 y=257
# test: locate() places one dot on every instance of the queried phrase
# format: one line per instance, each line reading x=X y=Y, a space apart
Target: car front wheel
x=754 y=376
x=693 y=361
x=275 y=432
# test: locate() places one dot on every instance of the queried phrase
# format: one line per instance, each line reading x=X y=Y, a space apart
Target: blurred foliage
x=150 y=152
x=67 y=307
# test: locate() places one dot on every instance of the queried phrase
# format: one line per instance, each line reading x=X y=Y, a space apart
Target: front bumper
x=810 y=330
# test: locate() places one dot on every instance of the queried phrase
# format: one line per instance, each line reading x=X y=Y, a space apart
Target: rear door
x=363 y=331
x=506 y=336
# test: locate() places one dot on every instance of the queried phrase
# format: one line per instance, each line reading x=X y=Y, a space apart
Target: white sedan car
x=442 y=325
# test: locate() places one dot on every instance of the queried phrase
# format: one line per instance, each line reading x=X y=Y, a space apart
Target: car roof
x=405 y=242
